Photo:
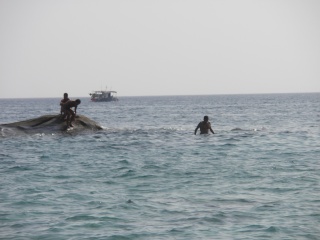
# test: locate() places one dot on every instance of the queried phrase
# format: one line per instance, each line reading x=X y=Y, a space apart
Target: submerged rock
x=51 y=124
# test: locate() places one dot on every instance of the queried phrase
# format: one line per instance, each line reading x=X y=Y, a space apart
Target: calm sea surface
x=147 y=176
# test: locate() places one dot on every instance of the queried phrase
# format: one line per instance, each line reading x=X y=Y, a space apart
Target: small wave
x=145 y=131
x=228 y=145
x=237 y=129
x=212 y=220
x=7 y=132
x=249 y=130
x=20 y=168
x=271 y=229
x=42 y=157
x=39 y=135
x=81 y=218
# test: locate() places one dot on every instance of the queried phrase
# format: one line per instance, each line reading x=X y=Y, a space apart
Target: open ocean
x=147 y=176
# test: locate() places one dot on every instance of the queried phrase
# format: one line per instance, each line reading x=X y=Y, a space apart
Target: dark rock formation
x=52 y=124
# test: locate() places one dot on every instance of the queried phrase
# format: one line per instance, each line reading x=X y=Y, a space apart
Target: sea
x=146 y=175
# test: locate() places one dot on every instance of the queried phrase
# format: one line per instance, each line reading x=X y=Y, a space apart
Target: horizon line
x=171 y=95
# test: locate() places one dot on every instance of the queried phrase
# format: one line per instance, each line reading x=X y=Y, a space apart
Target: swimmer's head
x=206 y=118
x=78 y=101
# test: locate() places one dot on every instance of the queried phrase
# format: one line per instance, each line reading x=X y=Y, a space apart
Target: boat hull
x=104 y=100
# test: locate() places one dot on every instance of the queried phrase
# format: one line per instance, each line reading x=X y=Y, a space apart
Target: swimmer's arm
x=195 y=131
x=210 y=128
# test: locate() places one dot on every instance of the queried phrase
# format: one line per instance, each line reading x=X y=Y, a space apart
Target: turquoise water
x=147 y=176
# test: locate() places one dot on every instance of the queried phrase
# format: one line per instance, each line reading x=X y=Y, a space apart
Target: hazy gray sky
x=150 y=47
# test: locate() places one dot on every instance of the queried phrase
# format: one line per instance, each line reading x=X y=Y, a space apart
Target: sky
x=150 y=47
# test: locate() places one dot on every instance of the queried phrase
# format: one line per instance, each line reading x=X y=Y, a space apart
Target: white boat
x=103 y=96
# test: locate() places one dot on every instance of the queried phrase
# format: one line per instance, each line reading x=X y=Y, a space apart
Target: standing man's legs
x=70 y=117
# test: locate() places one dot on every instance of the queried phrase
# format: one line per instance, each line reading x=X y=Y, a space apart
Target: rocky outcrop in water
x=52 y=124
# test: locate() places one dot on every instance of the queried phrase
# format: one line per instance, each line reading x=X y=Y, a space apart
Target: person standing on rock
x=70 y=113
x=64 y=100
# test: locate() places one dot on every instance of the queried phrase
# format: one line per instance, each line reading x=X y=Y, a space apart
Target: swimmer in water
x=204 y=126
